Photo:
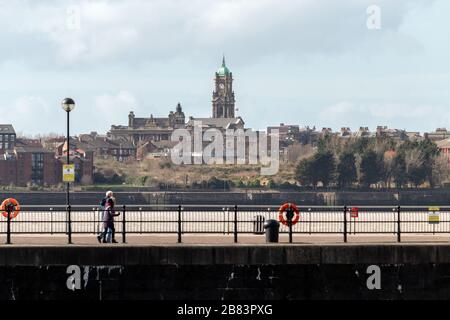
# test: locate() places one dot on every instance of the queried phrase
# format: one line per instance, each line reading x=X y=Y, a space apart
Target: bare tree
x=388 y=161
x=414 y=159
x=298 y=151
x=441 y=170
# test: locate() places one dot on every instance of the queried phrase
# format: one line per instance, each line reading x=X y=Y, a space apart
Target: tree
x=388 y=162
x=399 y=170
x=298 y=151
x=329 y=143
x=440 y=170
x=371 y=168
x=417 y=175
x=430 y=151
x=360 y=145
x=346 y=169
x=305 y=173
x=416 y=170
x=368 y=160
x=324 y=166
x=320 y=167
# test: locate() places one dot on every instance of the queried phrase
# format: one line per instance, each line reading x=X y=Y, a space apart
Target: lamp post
x=68 y=105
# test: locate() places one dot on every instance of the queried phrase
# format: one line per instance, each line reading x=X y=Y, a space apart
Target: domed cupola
x=223 y=70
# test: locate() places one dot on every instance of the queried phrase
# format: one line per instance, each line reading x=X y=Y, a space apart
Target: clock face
x=221 y=86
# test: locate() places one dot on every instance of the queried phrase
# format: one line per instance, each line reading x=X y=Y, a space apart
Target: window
x=37 y=168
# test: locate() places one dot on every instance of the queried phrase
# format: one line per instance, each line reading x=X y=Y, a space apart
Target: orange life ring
x=14 y=203
x=283 y=209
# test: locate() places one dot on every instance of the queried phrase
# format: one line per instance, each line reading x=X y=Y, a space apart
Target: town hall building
x=156 y=129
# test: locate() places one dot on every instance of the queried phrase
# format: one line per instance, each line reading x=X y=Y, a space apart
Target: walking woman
x=108 y=221
x=109 y=195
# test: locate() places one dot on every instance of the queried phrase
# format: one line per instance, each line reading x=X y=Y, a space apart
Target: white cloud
x=161 y=29
x=113 y=108
x=35 y=114
x=30 y=112
x=24 y=106
x=291 y=59
x=381 y=111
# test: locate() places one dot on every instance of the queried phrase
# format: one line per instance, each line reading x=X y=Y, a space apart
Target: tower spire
x=223 y=95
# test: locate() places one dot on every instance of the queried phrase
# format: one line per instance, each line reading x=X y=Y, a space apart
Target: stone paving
x=222 y=239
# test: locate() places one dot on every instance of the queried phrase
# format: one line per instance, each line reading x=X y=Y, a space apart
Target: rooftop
x=223 y=70
x=7 y=128
x=30 y=145
x=443 y=144
x=225 y=123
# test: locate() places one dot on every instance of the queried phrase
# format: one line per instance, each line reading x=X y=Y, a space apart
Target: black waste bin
x=272 y=230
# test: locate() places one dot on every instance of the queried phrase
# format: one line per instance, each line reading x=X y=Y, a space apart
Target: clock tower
x=223 y=95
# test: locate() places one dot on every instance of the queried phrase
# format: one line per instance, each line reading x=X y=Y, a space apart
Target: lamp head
x=68 y=104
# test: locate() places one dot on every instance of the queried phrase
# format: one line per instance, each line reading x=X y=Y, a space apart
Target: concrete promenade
x=211 y=239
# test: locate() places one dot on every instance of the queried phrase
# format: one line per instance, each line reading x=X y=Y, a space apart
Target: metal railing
x=227 y=220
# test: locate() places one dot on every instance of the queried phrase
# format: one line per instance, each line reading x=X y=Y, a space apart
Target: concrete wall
x=241 y=198
x=226 y=272
x=279 y=254
x=142 y=198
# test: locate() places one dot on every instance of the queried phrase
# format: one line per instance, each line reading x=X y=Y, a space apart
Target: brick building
x=7 y=138
x=154 y=149
x=120 y=149
x=25 y=161
x=438 y=135
x=444 y=148
x=288 y=133
x=148 y=129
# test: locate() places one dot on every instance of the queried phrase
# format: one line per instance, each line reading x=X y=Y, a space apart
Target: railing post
x=124 y=239
x=235 y=224
x=8 y=225
x=345 y=223
x=94 y=221
x=179 y=224
x=290 y=216
x=51 y=221
x=290 y=231
x=398 y=224
x=69 y=223
x=309 y=221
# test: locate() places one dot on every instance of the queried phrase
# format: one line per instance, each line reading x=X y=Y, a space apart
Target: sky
x=322 y=63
